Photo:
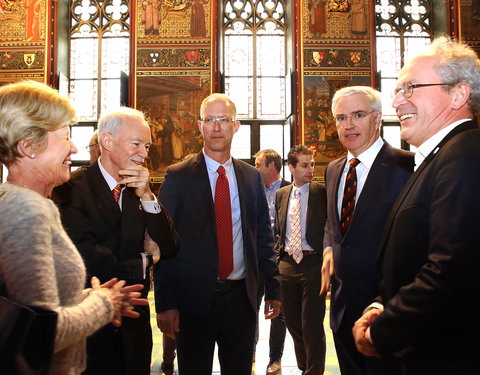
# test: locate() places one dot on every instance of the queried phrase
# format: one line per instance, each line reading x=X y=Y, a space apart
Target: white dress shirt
x=429 y=145
x=304 y=191
x=366 y=158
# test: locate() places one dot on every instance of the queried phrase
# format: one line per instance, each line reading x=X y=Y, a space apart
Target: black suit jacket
x=316 y=217
x=355 y=282
x=188 y=281
x=110 y=240
x=430 y=262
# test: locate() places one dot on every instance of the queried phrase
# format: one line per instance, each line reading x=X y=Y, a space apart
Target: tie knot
x=221 y=170
x=296 y=193
x=354 y=162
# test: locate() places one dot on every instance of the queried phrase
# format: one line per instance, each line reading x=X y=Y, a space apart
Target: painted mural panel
x=336 y=20
x=173 y=19
x=23 y=33
x=171 y=104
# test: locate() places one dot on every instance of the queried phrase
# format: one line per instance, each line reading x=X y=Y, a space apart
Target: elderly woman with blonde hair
x=39 y=265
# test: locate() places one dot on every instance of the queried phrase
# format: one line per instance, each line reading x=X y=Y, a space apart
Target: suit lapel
x=312 y=198
x=411 y=182
x=103 y=198
x=201 y=185
x=283 y=211
x=333 y=193
x=240 y=176
x=380 y=168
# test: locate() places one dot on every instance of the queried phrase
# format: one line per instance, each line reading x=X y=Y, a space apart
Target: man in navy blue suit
x=350 y=255
x=197 y=302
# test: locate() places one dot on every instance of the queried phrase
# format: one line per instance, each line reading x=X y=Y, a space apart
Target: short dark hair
x=271 y=155
x=297 y=150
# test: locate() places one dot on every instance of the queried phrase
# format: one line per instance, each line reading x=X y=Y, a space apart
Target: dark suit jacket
x=110 y=240
x=355 y=282
x=430 y=261
x=316 y=216
x=188 y=281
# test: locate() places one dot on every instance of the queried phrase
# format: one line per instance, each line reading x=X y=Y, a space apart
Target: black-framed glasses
x=356 y=117
x=222 y=121
x=407 y=88
x=88 y=147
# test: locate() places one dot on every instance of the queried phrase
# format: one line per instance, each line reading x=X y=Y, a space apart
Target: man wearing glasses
x=430 y=255
x=209 y=294
x=361 y=189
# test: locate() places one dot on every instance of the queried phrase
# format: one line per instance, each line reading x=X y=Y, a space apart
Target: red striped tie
x=223 y=218
x=117 y=190
x=349 y=195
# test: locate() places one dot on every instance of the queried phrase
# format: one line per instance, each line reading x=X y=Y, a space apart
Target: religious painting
x=173 y=19
x=22 y=20
x=171 y=104
x=335 y=20
x=320 y=132
x=22 y=39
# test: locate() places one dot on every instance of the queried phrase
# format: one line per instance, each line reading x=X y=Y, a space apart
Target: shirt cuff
x=328 y=248
x=373 y=305
x=152 y=207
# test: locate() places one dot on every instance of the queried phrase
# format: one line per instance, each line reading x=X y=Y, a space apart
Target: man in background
x=93 y=147
x=300 y=218
x=269 y=164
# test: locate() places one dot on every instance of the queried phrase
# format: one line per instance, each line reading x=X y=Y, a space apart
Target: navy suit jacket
x=188 y=281
x=355 y=282
x=316 y=217
x=430 y=262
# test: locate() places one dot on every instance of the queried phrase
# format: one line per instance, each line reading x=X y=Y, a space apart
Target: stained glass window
x=99 y=50
x=254 y=69
x=403 y=29
x=254 y=56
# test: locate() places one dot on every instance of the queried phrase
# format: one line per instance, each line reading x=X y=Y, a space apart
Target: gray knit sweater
x=40 y=266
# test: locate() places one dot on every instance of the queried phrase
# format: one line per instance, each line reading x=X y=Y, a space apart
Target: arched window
x=255 y=73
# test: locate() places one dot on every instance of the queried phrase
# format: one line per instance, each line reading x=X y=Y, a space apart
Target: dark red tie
x=117 y=190
x=223 y=218
x=349 y=195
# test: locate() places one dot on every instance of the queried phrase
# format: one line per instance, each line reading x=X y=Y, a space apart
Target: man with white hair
x=106 y=209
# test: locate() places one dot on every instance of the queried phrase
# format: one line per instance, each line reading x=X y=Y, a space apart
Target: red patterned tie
x=223 y=218
x=349 y=194
x=117 y=190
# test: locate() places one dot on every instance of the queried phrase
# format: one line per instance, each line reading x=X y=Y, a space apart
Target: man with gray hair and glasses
x=426 y=314
x=361 y=189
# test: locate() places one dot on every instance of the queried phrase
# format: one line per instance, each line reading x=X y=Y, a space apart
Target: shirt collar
x=213 y=165
x=108 y=178
x=368 y=156
x=429 y=145
x=304 y=189
x=275 y=185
